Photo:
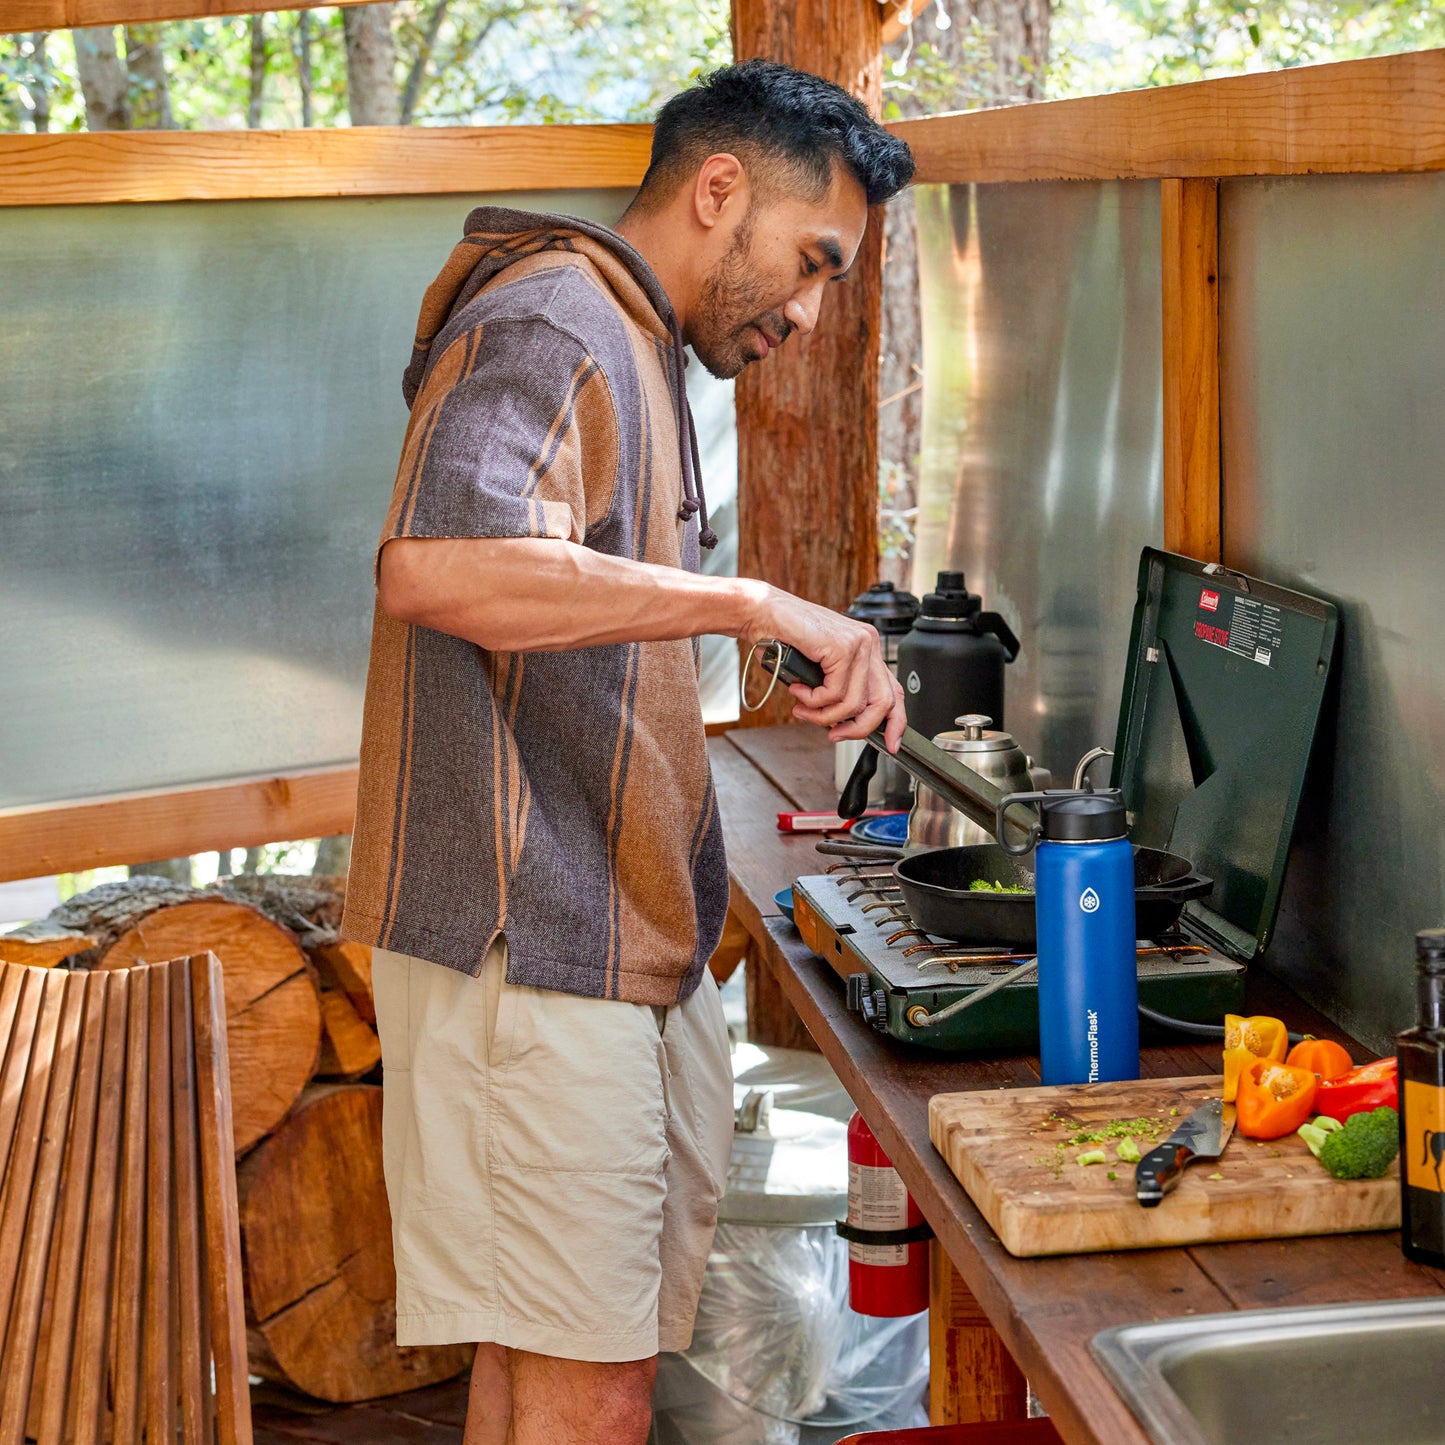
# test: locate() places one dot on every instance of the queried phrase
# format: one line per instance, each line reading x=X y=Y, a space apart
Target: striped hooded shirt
x=563 y=798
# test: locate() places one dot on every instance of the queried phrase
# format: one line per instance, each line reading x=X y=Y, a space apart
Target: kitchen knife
x=1202 y=1135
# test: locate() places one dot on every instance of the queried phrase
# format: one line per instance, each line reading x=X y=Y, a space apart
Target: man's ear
x=720 y=190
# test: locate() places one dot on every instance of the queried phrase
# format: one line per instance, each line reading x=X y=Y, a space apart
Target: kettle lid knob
x=973 y=725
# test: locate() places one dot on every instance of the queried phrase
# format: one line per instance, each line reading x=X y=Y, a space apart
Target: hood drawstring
x=694 y=503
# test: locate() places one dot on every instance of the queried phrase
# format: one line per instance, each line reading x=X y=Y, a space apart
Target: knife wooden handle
x=1158 y=1172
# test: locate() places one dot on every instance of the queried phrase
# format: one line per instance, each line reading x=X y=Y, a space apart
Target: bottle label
x=1424 y=1146
x=1089 y=901
x=877 y=1199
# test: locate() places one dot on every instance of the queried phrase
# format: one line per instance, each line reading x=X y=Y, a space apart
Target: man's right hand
x=859 y=692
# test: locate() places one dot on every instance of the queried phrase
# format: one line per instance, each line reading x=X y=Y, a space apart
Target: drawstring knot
x=690 y=508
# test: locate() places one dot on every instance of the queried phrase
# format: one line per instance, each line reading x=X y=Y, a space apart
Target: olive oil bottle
x=1421 y=1052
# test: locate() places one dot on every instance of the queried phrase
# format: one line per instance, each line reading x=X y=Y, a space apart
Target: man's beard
x=731 y=304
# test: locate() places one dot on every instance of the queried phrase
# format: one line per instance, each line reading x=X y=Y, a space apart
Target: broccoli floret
x=1128 y=1151
x=1365 y=1147
x=1317 y=1131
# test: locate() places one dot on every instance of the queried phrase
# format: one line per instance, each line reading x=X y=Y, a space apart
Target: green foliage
x=477 y=62
x=1105 y=45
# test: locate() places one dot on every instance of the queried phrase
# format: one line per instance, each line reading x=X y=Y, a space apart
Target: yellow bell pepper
x=1247 y=1040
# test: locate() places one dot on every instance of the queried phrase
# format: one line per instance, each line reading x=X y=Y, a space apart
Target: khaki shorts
x=553 y=1163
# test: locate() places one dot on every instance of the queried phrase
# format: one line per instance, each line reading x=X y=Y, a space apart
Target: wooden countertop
x=1046 y=1310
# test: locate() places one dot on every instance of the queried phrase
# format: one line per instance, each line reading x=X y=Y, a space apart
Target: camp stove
x=854 y=918
x=1222 y=693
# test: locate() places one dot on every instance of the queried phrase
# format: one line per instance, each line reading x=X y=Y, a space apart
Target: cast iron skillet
x=935 y=887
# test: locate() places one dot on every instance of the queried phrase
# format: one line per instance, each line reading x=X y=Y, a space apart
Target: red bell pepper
x=1371 y=1086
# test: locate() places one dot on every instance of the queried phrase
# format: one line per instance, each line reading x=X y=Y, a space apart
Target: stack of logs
x=315 y=1228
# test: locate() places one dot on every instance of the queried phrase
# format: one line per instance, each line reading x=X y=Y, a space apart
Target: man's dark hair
x=793 y=126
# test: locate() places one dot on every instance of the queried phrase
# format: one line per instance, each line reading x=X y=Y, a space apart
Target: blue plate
x=784 y=899
x=891 y=829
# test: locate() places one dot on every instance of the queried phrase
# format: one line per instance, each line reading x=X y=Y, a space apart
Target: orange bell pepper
x=1274 y=1099
x=1324 y=1058
x=1246 y=1040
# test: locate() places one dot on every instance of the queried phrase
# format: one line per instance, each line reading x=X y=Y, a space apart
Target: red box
x=1004 y=1432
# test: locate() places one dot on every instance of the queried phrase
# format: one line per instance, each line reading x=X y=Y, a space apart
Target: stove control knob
x=857 y=991
x=875 y=1009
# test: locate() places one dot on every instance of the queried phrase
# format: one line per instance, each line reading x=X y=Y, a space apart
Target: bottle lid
x=1084 y=817
x=886 y=607
x=1430 y=949
x=951 y=598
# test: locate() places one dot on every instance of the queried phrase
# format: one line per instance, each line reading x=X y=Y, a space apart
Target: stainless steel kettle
x=932 y=823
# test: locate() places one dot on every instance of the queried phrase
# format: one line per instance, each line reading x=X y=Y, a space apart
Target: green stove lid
x=1221 y=698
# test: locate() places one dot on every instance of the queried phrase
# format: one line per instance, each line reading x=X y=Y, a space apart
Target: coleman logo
x=1209 y=601
x=1090 y=901
x=913 y=683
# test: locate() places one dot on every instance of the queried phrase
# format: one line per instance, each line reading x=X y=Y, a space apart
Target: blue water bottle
x=1084 y=910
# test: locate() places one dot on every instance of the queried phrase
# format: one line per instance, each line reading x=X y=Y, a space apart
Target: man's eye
x=810 y=266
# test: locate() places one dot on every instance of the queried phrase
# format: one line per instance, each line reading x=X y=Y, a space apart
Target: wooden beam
x=808 y=416
x=1189 y=223
x=41 y=170
x=972 y=1378
x=18 y=15
x=1361 y=116
x=130 y=827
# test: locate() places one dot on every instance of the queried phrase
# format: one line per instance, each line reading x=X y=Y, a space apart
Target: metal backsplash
x=1333 y=359
x=199 y=428
x=1042 y=400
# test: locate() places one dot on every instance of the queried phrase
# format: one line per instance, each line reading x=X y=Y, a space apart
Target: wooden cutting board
x=1001 y=1144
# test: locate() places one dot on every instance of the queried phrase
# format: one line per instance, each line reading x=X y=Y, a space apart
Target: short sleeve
x=512 y=434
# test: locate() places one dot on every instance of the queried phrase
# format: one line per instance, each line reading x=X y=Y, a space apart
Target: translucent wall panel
x=1042 y=414
x=1333 y=357
x=199 y=425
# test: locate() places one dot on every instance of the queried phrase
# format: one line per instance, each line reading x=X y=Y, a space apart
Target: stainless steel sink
x=1369 y=1374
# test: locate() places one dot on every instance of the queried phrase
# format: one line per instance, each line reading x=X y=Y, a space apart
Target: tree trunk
x=303 y=63
x=150 y=93
x=175 y=870
x=316 y=1243
x=333 y=855
x=258 y=72
x=810 y=413
x=371 y=92
x=103 y=79
x=416 y=76
x=1016 y=39
x=40 y=97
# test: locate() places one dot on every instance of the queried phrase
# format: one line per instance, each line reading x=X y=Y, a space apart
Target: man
x=538 y=858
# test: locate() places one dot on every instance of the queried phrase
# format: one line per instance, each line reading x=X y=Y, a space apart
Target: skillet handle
x=1192 y=885
x=854 y=802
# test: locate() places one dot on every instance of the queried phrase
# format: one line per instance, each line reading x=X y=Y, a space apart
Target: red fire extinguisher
x=886 y=1234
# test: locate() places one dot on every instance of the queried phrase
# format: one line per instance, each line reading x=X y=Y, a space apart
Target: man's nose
x=802 y=311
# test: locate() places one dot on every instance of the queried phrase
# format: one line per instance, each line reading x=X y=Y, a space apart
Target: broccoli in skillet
x=1362 y=1148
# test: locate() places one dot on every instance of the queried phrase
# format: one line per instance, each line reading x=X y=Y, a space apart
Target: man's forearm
x=541 y=595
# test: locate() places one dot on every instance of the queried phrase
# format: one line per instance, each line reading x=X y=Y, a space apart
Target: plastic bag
x=777 y=1356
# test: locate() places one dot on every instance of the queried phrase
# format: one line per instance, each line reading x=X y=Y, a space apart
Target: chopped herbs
x=981 y=885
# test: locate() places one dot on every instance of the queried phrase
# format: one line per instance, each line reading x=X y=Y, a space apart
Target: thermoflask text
x=1084 y=907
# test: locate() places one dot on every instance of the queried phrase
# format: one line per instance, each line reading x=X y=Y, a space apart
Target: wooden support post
x=1189 y=215
x=808 y=416
x=972 y=1376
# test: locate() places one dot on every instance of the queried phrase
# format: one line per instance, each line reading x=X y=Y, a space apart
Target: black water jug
x=952 y=660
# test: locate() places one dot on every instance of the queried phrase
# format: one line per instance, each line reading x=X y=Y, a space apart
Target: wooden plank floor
x=421 y=1417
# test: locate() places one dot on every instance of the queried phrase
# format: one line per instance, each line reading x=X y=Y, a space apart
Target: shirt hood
x=495 y=237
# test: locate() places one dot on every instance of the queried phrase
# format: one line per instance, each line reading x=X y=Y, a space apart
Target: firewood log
x=316 y=1240
x=273 y=1011
x=349 y=1045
